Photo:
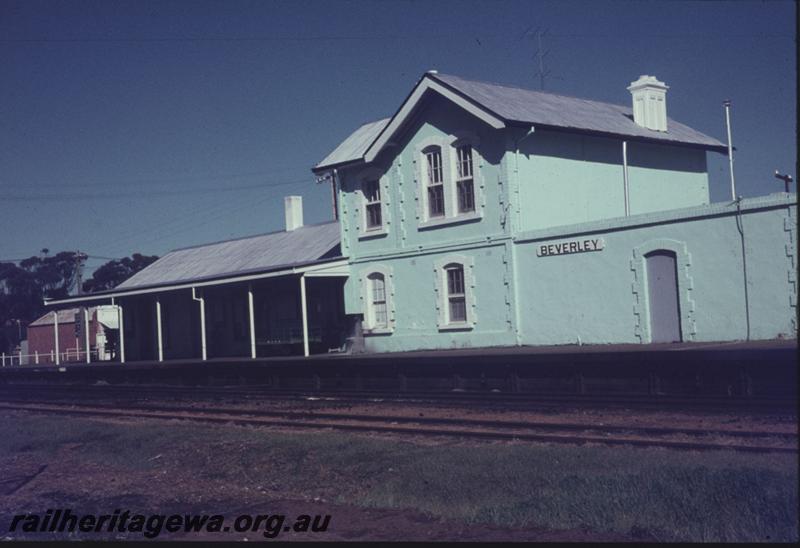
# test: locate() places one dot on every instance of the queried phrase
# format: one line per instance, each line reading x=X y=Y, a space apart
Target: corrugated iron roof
x=241 y=256
x=525 y=106
x=64 y=316
x=354 y=147
x=536 y=107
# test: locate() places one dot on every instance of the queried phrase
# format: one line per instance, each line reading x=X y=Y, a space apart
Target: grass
x=656 y=493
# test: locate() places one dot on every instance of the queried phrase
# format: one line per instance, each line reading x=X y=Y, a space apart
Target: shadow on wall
x=448 y=119
x=605 y=150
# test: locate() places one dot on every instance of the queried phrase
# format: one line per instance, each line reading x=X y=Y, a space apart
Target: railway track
x=483 y=399
x=475 y=429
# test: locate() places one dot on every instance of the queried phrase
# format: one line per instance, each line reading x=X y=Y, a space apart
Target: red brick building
x=72 y=348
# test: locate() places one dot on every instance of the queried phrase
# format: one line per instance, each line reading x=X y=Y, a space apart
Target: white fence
x=69 y=355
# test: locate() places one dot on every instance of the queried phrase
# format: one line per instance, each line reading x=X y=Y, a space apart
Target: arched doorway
x=662 y=293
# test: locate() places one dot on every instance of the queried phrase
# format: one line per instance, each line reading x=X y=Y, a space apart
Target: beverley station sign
x=570 y=246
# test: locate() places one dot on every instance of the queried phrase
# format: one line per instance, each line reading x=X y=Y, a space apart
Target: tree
x=20 y=299
x=23 y=288
x=55 y=275
x=113 y=273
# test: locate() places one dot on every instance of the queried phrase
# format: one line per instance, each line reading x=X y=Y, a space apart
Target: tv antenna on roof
x=540 y=54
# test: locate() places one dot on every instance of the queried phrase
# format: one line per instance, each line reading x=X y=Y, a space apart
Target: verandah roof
x=309 y=248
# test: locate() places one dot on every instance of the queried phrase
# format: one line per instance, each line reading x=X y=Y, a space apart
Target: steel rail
x=738 y=403
x=380 y=426
x=316 y=415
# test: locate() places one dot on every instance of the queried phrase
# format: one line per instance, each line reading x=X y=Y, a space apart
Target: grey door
x=662 y=287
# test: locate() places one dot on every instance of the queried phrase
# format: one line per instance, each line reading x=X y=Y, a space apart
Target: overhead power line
x=172 y=180
x=189 y=219
x=196 y=213
x=406 y=36
x=99 y=257
x=148 y=194
x=193 y=223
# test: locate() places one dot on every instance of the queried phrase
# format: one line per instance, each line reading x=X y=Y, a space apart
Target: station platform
x=760 y=368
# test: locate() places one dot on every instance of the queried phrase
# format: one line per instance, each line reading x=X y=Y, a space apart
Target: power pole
x=80 y=258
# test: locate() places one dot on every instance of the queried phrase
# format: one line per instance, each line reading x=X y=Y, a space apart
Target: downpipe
x=740 y=228
x=515 y=269
x=202 y=302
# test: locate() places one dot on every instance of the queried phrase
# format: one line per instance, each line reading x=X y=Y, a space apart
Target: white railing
x=69 y=355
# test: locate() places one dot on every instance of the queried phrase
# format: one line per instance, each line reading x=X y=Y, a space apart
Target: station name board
x=570 y=246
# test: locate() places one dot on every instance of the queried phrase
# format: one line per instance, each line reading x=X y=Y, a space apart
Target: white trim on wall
x=478 y=183
x=641 y=306
x=372 y=173
x=448 y=145
x=440 y=289
x=365 y=295
x=411 y=102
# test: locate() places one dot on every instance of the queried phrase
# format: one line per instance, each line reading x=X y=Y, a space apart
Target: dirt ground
x=35 y=481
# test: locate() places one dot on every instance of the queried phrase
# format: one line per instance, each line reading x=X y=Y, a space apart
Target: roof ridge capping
x=642 y=81
x=529 y=90
x=499 y=104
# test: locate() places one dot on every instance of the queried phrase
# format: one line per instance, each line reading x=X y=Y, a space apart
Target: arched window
x=465 y=186
x=378 y=311
x=454 y=285
x=456 y=294
x=372 y=204
x=435 y=181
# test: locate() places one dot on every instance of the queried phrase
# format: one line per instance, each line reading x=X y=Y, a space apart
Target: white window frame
x=448 y=145
x=363 y=178
x=462 y=177
x=369 y=325
x=368 y=203
x=373 y=280
x=455 y=294
x=440 y=268
x=431 y=174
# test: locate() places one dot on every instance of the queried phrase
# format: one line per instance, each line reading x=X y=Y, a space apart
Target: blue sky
x=143 y=126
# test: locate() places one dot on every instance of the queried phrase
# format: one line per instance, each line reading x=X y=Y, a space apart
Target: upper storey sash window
x=450 y=186
x=372 y=197
x=464 y=182
x=435 y=185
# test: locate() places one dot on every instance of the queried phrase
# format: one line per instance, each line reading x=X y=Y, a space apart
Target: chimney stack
x=293 y=206
x=649 y=102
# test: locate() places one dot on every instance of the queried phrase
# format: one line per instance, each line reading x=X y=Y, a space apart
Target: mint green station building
x=482 y=215
x=487 y=215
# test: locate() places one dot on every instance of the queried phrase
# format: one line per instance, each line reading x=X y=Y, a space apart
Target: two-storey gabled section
x=508 y=159
x=482 y=215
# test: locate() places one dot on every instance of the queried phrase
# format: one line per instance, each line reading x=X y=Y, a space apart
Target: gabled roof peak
x=502 y=104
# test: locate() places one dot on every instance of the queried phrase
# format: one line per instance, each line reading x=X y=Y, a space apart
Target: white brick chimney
x=649 y=102
x=293 y=206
